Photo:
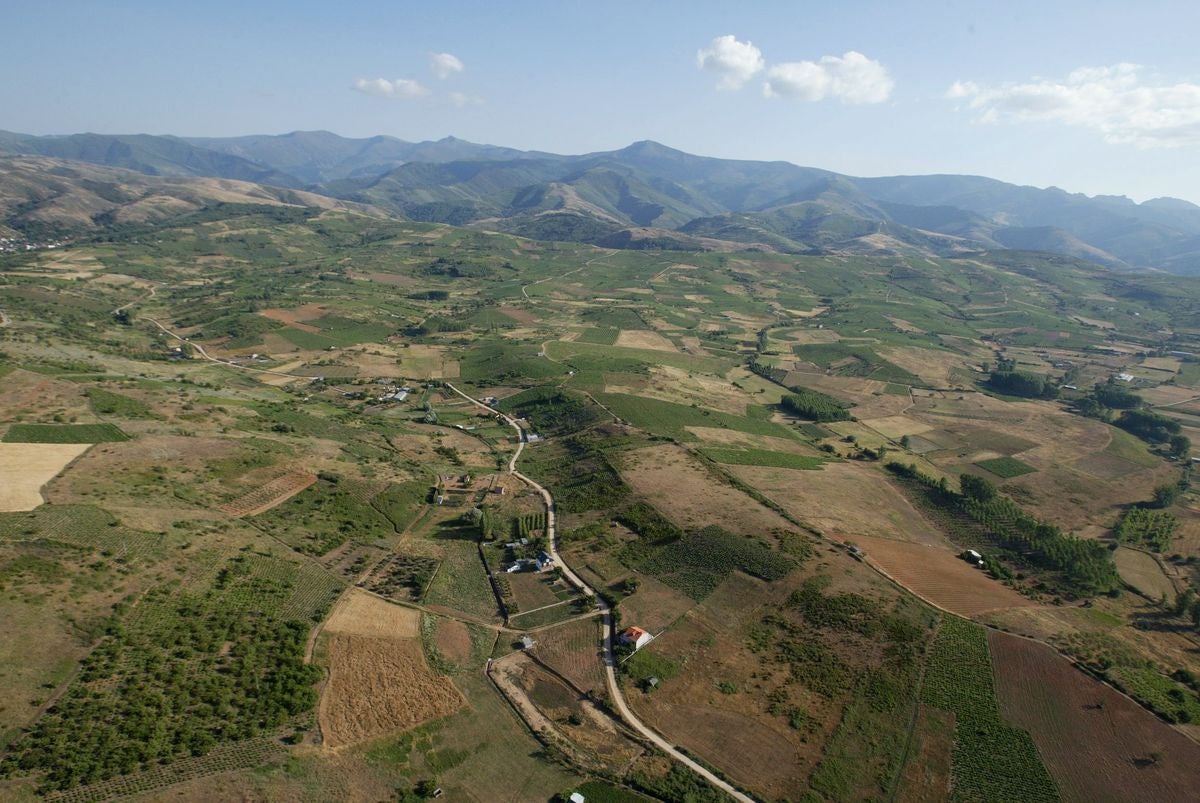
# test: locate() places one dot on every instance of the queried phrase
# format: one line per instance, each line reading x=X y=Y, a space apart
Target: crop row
x=992 y=760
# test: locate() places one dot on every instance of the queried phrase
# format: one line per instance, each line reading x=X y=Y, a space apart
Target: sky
x=1097 y=97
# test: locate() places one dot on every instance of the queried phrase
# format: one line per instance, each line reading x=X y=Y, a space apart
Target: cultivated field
x=1097 y=743
x=274 y=492
x=940 y=576
x=379 y=681
x=26 y=467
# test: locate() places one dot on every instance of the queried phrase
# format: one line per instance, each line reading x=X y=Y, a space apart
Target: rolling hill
x=649 y=187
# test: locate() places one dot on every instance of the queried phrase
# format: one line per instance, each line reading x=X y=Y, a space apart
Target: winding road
x=614 y=688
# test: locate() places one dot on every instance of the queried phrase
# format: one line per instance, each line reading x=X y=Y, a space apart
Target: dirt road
x=614 y=688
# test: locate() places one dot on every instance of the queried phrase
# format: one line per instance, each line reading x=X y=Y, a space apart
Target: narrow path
x=614 y=688
x=562 y=275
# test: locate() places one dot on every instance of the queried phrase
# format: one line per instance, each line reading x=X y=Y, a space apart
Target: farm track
x=605 y=612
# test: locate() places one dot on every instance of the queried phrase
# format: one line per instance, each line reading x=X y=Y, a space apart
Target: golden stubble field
x=379 y=681
x=26 y=467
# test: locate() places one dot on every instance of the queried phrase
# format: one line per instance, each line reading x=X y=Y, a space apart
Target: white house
x=636 y=636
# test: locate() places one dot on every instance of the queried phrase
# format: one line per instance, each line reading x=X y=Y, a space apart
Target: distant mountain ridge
x=650 y=195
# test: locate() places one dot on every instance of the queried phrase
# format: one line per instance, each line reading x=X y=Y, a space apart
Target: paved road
x=606 y=617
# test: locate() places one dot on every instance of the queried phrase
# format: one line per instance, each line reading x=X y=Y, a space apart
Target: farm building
x=544 y=562
x=636 y=636
x=576 y=797
x=527 y=643
x=972 y=556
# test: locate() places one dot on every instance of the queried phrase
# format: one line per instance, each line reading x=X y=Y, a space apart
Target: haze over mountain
x=650 y=195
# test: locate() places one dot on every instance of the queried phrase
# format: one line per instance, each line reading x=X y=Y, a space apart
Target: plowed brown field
x=1096 y=743
x=941 y=577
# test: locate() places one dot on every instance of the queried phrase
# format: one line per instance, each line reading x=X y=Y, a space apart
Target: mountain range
x=646 y=195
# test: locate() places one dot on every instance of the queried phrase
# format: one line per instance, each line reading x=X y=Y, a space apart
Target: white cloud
x=461 y=99
x=735 y=62
x=402 y=88
x=1114 y=100
x=851 y=78
x=444 y=65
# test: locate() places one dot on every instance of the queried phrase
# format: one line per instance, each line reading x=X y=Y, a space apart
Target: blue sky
x=1038 y=94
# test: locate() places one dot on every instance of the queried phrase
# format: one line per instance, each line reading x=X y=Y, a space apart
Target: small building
x=544 y=561
x=972 y=556
x=527 y=643
x=636 y=636
x=1124 y=377
x=577 y=797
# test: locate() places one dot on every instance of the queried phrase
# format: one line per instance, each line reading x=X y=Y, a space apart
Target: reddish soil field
x=940 y=577
x=454 y=640
x=1096 y=743
x=296 y=317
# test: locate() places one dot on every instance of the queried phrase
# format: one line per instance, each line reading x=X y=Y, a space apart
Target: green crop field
x=992 y=760
x=669 y=418
x=64 y=433
x=1006 y=467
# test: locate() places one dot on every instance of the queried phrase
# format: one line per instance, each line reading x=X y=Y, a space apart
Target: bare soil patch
x=685 y=491
x=275 y=492
x=644 y=339
x=940 y=576
x=26 y=467
x=454 y=640
x=1096 y=743
x=297 y=316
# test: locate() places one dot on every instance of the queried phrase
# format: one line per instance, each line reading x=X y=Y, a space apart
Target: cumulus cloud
x=1114 y=101
x=402 y=88
x=735 y=62
x=851 y=78
x=444 y=65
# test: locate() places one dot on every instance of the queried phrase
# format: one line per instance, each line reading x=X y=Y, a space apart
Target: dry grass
x=273 y=493
x=379 y=681
x=26 y=467
x=686 y=492
x=378 y=686
x=1144 y=573
x=363 y=614
x=644 y=339
x=843 y=500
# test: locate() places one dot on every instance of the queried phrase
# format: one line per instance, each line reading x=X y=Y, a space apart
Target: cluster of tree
x=430 y=295
x=814 y=406
x=1018 y=383
x=1085 y=565
x=206 y=672
x=1187 y=604
x=1144 y=526
x=552 y=410
x=1152 y=427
